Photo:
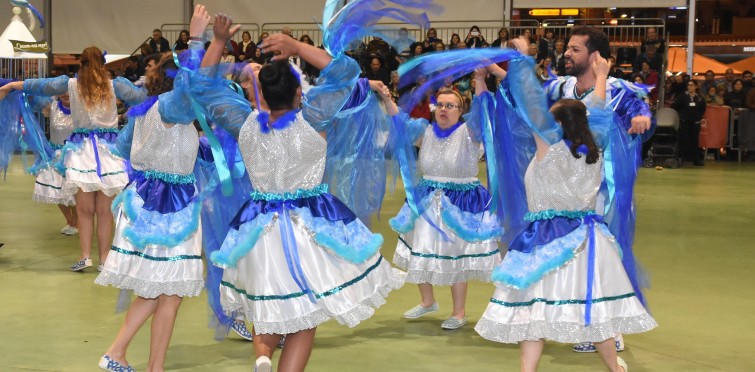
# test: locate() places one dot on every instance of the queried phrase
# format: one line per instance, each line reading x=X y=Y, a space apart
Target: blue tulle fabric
x=217 y=216
x=153 y=227
x=520 y=270
x=124 y=90
x=437 y=67
x=356 y=20
x=464 y=210
x=14 y=108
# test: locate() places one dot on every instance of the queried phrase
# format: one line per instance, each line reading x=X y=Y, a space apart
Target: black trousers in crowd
x=689 y=135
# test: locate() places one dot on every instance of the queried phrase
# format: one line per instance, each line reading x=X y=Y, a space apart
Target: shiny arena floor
x=694 y=236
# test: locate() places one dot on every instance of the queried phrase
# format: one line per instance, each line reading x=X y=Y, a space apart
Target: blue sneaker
x=109 y=364
x=588 y=347
x=81 y=265
x=239 y=327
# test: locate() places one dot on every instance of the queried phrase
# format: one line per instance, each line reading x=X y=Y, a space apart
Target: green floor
x=694 y=236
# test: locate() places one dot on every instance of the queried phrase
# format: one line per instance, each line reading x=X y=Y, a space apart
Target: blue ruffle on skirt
x=330 y=222
x=147 y=227
x=464 y=210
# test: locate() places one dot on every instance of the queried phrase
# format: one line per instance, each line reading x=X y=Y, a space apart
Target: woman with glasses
x=449 y=236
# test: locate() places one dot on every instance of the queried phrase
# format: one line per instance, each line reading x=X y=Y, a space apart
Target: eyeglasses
x=447 y=106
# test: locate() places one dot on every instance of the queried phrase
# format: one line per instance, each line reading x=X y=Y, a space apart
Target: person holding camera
x=474 y=38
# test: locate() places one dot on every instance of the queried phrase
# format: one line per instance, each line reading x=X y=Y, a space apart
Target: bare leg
x=74 y=217
x=265 y=344
x=104 y=224
x=85 y=211
x=67 y=213
x=607 y=350
x=459 y=297
x=140 y=310
x=297 y=351
x=426 y=291
x=162 y=329
x=529 y=355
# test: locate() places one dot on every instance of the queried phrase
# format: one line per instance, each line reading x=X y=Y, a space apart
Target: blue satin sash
x=476 y=200
x=107 y=134
x=160 y=195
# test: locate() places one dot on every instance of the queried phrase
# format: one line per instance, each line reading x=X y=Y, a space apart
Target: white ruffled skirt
x=471 y=253
x=261 y=286
x=49 y=186
x=167 y=265
x=81 y=168
x=553 y=308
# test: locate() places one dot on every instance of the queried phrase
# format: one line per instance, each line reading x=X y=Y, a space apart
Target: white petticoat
x=81 y=169
x=427 y=258
x=553 y=308
x=49 y=186
x=156 y=270
x=261 y=286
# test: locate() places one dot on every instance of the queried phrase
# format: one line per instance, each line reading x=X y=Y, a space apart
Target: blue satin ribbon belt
x=107 y=134
x=475 y=200
x=160 y=195
x=324 y=205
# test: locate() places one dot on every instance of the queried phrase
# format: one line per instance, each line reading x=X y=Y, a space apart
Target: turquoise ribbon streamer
x=610 y=176
x=221 y=164
x=291 y=252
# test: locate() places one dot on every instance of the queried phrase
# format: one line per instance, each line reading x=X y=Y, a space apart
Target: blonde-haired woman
x=94 y=172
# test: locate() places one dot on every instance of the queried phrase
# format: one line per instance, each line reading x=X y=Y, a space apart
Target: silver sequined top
x=282 y=160
x=455 y=156
x=562 y=182
x=156 y=147
x=105 y=115
x=61 y=125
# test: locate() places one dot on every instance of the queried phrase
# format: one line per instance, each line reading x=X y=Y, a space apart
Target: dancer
x=92 y=172
x=332 y=267
x=48 y=186
x=562 y=278
x=157 y=248
x=456 y=238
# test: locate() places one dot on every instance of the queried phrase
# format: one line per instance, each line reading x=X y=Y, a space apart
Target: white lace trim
x=65 y=200
x=148 y=289
x=566 y=332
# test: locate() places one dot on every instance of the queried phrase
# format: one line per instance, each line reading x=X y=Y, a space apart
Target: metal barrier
x=733 y=144
x=298 y=30
x=171 y=31
x=488 y=28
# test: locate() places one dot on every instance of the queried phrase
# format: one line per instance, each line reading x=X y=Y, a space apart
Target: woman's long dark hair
x=278 y=84
x=162 y=80
x=572 y=114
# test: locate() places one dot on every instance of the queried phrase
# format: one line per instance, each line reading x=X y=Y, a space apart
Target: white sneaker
x=71 y=231
x=81 y=265
x=263 y=364
x=65 y=229
x=100 y=267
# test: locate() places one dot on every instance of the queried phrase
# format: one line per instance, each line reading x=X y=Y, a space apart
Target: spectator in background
x=721 y=94
x=691 y=108
x=528 y=34
x=559 y=62
x=736 y=98
x=474 y=38
x=651 y=78
x=439 y=47
x=258 y=57
x=712 y=98
x=287 y=31
x=380 y=48
x=651 y=38
x=747 y=80
x=709 y=82
x=183 y=41
x=615 y=70
x=677 y=84
x=651 y=57
x=377 y=71
x=461 y=45
x=393 y=86
x=265 y=56
x=404 y=42
x=454 y=43
x=503 y=38
x=533 y=50
x=430 y=40
x=417 y=49
x=245 y=50
x=158 y=43
x=547 y=45
x=727 y=81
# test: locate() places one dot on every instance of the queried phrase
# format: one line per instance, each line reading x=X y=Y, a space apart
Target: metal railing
x=171 y=31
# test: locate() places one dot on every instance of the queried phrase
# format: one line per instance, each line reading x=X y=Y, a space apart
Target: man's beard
x=575 y=70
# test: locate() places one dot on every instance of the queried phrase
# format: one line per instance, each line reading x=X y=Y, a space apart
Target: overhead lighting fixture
x=623 y=16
